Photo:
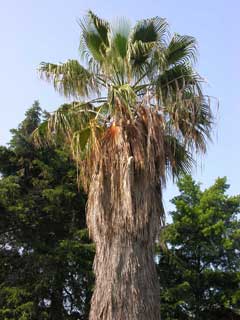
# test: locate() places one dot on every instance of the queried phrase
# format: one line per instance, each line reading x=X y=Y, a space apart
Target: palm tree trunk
x=124 y=215
x=126 y=282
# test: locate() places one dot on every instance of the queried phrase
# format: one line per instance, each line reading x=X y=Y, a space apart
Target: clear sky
x=32 y=31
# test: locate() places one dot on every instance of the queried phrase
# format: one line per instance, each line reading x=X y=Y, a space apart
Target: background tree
x=46 y=256
x=146 y=115
x=200 y=266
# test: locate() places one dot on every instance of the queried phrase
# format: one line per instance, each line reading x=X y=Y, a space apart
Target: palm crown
x=139 y=77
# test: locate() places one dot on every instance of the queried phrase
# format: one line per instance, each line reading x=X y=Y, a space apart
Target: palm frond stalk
x=144 y=118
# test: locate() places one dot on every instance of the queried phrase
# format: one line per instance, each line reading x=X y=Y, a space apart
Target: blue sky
x=32 y=31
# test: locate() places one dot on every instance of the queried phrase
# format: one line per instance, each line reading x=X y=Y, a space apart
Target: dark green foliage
x=45 y=254
x=199 y=266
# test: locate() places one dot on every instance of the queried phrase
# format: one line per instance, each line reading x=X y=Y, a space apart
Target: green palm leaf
x=150 y=30
x=69 y=78
x=94 y=38
x=181 y=49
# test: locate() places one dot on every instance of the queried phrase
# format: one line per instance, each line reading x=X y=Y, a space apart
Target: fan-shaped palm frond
x=94 y=38
x=178 y=159
x=181 y=49
x=147 y=36
x=120 y=31
x=150 y=30
x=69 y=78
x=176 y=79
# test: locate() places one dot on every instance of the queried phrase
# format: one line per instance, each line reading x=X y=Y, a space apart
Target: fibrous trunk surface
x=124 y=216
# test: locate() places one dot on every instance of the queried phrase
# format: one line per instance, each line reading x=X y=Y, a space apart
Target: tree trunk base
x=126 y=286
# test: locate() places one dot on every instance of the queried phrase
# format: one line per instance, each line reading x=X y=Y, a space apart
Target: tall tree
x=146 y=116
x=200 y=266
x=45 y=254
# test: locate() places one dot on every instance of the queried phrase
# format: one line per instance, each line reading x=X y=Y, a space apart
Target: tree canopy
x=46 y=256
x=139 y=77
x=199 y=266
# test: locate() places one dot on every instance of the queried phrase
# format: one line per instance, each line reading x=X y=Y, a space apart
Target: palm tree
x=137 y=117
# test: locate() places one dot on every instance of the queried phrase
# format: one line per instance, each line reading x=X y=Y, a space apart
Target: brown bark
x=124 y=216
